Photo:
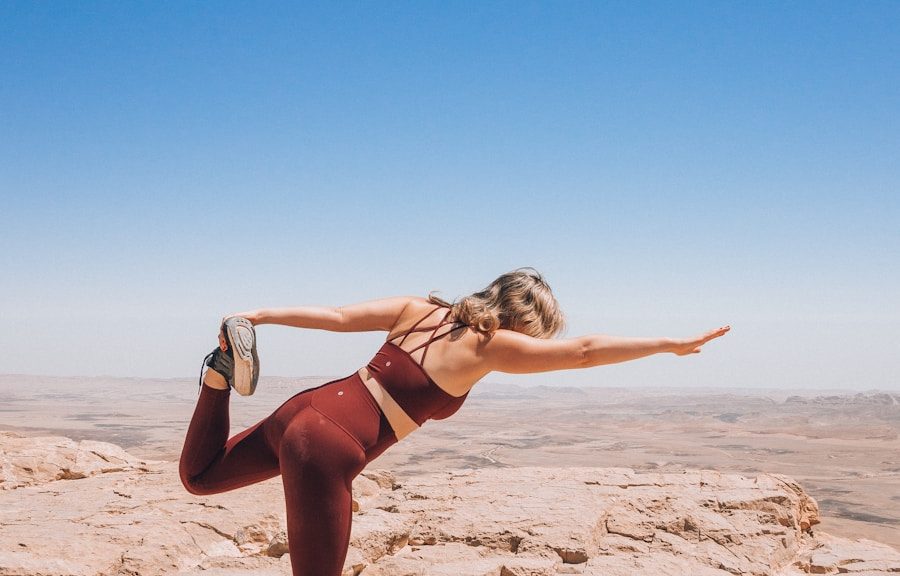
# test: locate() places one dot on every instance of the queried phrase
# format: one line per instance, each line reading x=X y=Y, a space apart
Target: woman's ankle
x=215 y=380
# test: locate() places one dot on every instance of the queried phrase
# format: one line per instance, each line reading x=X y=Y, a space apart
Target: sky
x=669 y=168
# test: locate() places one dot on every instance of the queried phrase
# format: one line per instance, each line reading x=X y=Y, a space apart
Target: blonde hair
x=520 y=300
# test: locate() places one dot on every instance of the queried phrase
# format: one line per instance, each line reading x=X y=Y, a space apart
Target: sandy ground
x=843 y=447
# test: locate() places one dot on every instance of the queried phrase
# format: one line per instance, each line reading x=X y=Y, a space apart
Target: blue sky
x=669 y=167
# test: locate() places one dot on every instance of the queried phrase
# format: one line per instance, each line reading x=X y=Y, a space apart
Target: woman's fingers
x=223 y=345
x=716 y=333
x=692 y=345
x=711 y=335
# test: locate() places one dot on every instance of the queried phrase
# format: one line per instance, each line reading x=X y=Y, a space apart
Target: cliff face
x=89 y=508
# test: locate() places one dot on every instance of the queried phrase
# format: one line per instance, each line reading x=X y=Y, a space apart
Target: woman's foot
x=241 y=340
x=234 y=362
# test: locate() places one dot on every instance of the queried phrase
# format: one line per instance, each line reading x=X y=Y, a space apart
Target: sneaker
x=238 y=364
x=221 y=362
x=241 y=339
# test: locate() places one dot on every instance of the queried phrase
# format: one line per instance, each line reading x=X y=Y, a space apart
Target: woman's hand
x=687 y=346
x=252 y=316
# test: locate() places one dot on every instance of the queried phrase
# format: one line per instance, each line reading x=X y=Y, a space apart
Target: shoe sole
x=246 y=363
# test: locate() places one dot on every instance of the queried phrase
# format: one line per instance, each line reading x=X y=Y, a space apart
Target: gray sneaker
x=238 y=364
x=241 y=339
x=221 y=362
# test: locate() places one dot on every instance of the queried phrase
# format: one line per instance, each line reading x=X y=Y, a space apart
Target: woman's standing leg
x=319 y=460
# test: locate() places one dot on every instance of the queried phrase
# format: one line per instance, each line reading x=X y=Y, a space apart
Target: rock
x=27 y=461
x=831 y=555
x=451 y=559
x=258 y=536
x=278 y=546
x=379 y=533
x=385 y=479
x=126 y=516
x=529 y=566
x=354 y=563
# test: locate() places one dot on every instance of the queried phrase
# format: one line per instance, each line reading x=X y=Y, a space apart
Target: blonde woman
x=320 y=439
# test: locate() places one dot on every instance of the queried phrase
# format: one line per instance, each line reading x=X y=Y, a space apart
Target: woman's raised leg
x=211 y=462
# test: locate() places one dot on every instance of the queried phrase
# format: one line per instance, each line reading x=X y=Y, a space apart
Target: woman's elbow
x=337 y=319
x=584 y=357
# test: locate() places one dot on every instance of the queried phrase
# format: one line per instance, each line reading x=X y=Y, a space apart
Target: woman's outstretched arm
x=367 y=316
x=517 y=353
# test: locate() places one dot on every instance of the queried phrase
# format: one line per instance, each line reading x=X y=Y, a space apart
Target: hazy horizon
x=487 y=385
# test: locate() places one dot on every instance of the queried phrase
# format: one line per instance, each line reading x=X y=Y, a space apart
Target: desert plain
x=841 y=446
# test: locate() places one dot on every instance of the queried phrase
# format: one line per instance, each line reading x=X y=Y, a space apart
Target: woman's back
x=444 y=349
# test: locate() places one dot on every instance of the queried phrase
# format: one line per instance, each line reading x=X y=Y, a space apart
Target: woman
x=320 y=439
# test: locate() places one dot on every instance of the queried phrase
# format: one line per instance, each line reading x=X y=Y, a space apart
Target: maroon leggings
x=318 y=440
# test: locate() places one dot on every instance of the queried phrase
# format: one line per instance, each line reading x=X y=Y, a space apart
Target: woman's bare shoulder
x=420 y=302
x=417 y=307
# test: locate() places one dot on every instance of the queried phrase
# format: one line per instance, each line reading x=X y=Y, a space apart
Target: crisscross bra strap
x=433 y=329
x=413 y=329
x=428 y=342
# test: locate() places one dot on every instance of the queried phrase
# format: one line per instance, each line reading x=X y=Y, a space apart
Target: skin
x=457 y=362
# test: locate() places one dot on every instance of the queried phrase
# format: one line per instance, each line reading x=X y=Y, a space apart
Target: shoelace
x=202 y=366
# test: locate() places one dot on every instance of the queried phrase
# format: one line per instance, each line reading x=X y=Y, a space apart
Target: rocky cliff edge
x=90 y=508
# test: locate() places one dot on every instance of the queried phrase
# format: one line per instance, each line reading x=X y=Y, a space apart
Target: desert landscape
x=637 y=178
x=840 y=448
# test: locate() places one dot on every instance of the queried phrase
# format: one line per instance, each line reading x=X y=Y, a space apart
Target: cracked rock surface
x=90 y=508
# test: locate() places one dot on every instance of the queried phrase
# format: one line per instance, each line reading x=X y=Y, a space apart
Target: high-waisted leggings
x=319 y=440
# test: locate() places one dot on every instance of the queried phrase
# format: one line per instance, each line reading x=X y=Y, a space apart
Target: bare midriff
x=399 y=420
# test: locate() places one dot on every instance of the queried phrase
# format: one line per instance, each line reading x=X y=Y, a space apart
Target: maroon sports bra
x=408 y=383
